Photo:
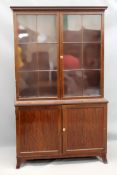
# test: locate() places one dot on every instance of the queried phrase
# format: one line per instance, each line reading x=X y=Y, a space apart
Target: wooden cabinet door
x=37 y=50
x=82 y=66
x=39 y=131
x=83 y=129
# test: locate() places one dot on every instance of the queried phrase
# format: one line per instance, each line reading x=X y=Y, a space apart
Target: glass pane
x=91 y=56
x=28 y=84
x=72 y=28
x=92 y=28
x=47 y=83
x=91 y=82
x=47 y=56
x=73 y=83
x=26 y=28
x=72 y=56
x=27 y=57
x=46 y=28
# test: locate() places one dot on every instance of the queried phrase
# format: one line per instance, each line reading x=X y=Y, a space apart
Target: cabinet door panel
x=92 y=28
x=72 y=26
x=73 y=83
x=37 y=51
x=38 y=130
x=84 y=128
x=82 y=51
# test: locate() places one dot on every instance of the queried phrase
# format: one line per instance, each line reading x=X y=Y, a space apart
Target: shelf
x=82 y=42
x=36 y=43
x=65 y=70
x=81 y=69
x=23 y=71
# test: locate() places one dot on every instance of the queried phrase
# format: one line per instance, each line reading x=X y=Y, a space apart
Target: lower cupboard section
x=39 y=130
x=84 y=128
x=61 y=131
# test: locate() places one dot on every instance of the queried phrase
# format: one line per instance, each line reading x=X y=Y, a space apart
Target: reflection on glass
x=38 y=84
x=91 y=28
x=72 y=28
x=72 y=56
x=47 y=83
x=73 y=83
x=46 y=28
x=26 y=28
x=28 y=84
x=47 y=56
x=91 y=56
x=27 y=57
x=91 y=83
x=36 y=28
x=37 y=56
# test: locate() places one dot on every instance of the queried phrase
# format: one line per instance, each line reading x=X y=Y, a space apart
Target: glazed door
x=39 y=131
x=81 y=50
x=83 y=129
x=37 y=60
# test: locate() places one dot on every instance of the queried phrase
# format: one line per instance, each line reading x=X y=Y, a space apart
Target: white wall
x=7 y=78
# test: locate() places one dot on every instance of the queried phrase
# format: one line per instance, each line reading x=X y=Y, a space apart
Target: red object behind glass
x=71 y=62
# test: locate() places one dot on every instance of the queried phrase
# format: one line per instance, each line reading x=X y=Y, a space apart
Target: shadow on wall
x=112 y=136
